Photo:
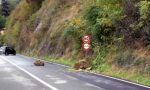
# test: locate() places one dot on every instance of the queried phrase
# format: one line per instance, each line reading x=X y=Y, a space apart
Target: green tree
x=101 y=17
x=13 y=4
x=5 y=8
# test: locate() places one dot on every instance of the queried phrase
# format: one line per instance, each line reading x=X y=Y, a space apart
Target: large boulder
x=39 y=63
x=82 y=64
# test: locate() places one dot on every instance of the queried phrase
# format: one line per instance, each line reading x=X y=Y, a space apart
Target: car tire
x=6 y=53
x=14 y=54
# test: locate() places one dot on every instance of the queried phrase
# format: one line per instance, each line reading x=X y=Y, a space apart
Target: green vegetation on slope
x=120 y=31
x=6 y=7
x=2 y=22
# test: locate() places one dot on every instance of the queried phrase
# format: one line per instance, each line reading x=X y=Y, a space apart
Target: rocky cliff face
x=38 y=25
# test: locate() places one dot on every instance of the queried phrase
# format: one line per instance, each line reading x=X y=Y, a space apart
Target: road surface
x=19 y=73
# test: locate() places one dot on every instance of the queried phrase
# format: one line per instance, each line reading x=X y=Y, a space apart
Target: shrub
x=74 y=30
x=143 y=8
x=91 y=14
x=125 y=59
x=100 y=18
x=100 y=58
x=130 y=60
x=2 y=40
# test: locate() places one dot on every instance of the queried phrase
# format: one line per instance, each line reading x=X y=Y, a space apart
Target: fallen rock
x=82 y=65
x=39 y=63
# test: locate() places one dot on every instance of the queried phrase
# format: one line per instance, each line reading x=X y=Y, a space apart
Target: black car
x=7 y=50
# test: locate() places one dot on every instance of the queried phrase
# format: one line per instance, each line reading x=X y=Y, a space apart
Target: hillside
x=41 y=25
x=53 y=28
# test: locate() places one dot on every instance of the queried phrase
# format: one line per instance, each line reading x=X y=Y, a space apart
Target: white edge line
x=106 y=76
x=38 y=79
x=119 y=79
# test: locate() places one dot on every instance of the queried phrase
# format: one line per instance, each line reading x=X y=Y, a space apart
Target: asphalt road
x=19 y=73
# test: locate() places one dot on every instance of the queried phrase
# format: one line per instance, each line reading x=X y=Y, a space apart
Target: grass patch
x=64 y=61
x=129 y=75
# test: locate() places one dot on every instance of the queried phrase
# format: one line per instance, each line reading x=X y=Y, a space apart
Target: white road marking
x=6 y=69
x=61 y=82
x=71 y=77
x=22 y=80
x=54 y=78
x=33 y=76
x=49 y=76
